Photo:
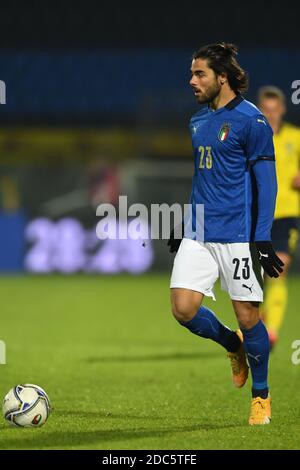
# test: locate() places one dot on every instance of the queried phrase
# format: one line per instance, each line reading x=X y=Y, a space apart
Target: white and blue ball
x=26 y=406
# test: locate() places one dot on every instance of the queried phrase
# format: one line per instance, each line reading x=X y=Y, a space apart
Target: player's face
x=273 y=109
x=204 y=81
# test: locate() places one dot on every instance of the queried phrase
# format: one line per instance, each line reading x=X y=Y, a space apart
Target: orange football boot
x=260 y=412
x=239 y=366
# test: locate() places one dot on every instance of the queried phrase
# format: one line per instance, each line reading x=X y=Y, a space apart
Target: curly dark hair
x=221 y=57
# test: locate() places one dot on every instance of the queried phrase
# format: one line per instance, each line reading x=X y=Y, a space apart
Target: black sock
x=233 y=342
x=260 y=393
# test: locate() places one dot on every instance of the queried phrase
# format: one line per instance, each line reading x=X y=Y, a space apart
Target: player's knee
x=246 y=323
x=183 y=310
x=248 y=315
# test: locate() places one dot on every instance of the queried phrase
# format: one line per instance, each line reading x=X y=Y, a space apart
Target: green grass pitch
x=122 y=374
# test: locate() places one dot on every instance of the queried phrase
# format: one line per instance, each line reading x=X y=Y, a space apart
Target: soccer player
x=235 y=180
x=271 y=102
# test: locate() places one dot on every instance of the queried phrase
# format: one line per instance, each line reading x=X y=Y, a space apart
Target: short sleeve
x=259 y=139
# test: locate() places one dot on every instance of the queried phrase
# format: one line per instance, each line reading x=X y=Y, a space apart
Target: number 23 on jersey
x=205 y=157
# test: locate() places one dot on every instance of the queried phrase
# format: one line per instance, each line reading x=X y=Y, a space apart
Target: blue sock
x=206 y=324
x=257 y=347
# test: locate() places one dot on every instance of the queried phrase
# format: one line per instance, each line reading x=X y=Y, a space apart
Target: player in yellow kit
x=271 y=102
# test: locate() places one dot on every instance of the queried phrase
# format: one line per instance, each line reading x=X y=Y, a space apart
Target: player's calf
x=204 y=323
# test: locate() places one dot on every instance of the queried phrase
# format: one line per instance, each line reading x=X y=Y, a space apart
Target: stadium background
x=97 y=105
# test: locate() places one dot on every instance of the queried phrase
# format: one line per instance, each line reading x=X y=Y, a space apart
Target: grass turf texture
x=122 y=374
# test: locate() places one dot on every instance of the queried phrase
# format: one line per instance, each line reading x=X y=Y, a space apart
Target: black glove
x=173 y=242
x=268 y=259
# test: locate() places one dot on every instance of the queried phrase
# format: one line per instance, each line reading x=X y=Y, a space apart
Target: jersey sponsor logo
x=194 y=128
x=256 y=358
x=263 y=255
x=247 y=287
x=224 y=131
x=262 y=121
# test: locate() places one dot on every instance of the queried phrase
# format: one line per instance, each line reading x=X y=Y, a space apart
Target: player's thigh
x=193 y=277
x=240 y=271
x=194 y=268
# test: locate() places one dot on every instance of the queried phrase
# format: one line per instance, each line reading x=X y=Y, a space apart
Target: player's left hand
x=268 y=258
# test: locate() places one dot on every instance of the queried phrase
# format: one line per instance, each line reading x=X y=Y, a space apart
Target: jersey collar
x=234 y=102
x=229 y=106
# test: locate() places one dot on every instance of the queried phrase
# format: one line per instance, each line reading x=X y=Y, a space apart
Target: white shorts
x=197 y=266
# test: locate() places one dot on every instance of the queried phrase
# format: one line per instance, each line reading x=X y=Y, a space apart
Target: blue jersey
x=226 y=143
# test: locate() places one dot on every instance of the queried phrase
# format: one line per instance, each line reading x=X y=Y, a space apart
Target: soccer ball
x=26 y=406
